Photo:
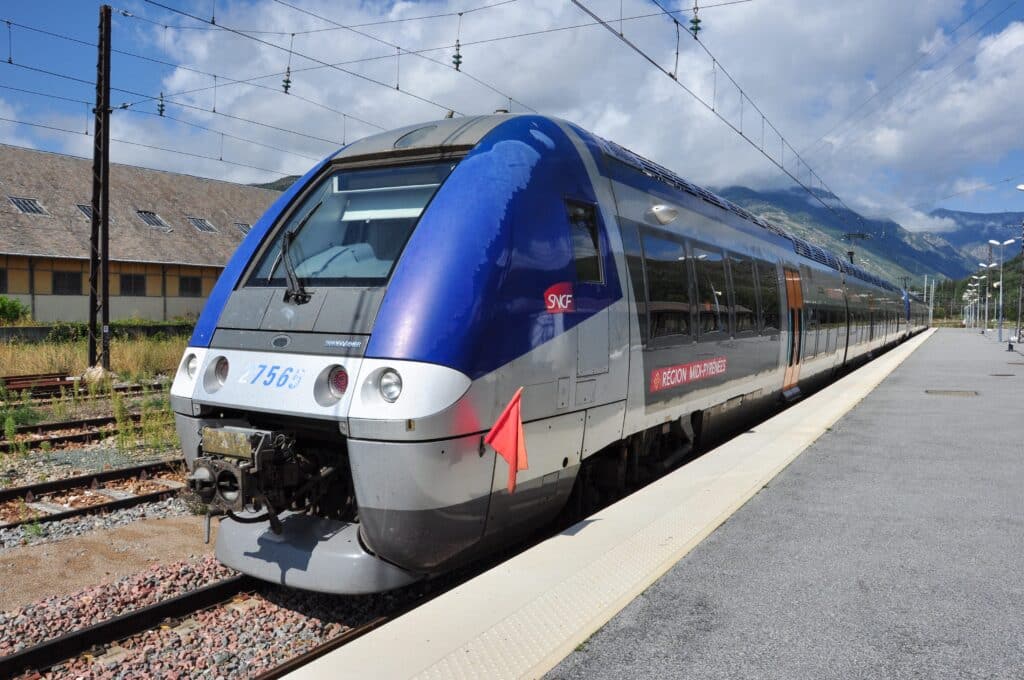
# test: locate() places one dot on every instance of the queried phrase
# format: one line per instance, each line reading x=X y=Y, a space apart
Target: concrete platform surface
x=522 y=617
x=892 y=548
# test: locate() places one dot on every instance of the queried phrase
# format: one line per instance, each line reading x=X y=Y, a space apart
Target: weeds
x=59 y=407
x=34 y=530
x=140 y=357
x=157 y=423
x=124 y=427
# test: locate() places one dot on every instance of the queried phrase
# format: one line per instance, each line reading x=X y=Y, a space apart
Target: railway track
x=47 y=386
x=94 y=493
x=81 y=431
x=51 y=652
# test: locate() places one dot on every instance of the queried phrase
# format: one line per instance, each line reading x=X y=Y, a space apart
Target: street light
x=1001 y=244
x=986 y=267
x=1020 y=284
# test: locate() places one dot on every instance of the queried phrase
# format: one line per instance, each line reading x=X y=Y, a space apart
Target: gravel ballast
x=44 y=532
x=55 y=616
x=41 y=466
x=241 y=639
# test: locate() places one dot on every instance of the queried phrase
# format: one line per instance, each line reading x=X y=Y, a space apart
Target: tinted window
x=190 y=286
x=67 y=283
x=352 y=226
x=743 y=274
x=712 y=295
x=3 y=280
x=667 y=287
x=769 y=284
x=635 y=264
x=585 y=250
x=133 y=284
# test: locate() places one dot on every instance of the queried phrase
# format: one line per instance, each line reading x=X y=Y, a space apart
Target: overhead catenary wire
x=448 y=47
x=153 y=147
x=381 y=22
x=712 y=108
x=402 y=49
x=931 y=86
x=134 y=93
x=810 y=147
x=220 y=78
x=355 y=74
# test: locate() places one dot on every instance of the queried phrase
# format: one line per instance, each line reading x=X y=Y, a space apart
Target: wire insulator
x=287 y=82
x=160 y=108
x=457 y=57
x=695 y=21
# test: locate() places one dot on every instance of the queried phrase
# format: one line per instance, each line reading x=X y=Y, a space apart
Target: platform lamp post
x=986 y=267
x=974 y=308
x=1020 y=281
x=1001 y=244
x=977 y=283
x=968 y=298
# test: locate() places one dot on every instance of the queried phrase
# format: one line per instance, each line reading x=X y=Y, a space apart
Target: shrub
x=11 y=310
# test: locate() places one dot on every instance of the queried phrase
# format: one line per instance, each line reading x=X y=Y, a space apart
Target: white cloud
x=806 y=64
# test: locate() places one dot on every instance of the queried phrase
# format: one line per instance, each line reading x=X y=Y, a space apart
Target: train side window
x=586 y=250
x=668 y=293
x=630 y=233
x=712 y=292
x=768 y=276
x=744 y=297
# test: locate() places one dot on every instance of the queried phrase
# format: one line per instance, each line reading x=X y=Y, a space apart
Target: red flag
x=506 y=437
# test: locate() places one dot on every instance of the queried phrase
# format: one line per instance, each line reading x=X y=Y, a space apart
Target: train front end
x=333 y=397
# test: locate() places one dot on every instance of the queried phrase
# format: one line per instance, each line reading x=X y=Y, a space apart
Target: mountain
x=890 y=251
x=974 y=230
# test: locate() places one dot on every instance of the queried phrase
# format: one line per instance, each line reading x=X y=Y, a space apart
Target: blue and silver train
x=335 y=395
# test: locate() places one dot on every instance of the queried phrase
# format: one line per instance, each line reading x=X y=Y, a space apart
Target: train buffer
x=874 y=530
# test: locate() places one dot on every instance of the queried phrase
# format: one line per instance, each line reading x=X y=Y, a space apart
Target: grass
x=130 y=358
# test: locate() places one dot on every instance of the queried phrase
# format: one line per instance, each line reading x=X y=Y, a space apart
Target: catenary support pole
x=99 y=242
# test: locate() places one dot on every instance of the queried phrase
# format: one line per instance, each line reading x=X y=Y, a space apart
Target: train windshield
x=351 y=228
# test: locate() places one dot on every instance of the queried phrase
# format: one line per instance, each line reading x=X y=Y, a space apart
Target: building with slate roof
x=170 y=235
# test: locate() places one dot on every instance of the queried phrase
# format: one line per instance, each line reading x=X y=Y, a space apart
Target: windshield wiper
x=295 y=292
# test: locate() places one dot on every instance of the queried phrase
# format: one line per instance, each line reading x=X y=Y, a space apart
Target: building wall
x=30 y=280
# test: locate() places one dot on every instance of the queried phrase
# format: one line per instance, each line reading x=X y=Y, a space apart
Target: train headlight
x=390 y=385
x=220 y=370
x=337 y=381
x=191 y=365
x=216 y=374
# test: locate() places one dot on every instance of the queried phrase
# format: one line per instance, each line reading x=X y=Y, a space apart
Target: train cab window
x=744 y=296
x=768 y=278
x=351 y=228
x=586 y=250
x=668 y=291
x=712 y=291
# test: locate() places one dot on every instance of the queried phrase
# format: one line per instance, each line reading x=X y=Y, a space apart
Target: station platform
x=890 y=548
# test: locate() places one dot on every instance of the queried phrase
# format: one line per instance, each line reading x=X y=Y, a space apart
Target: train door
x=795 y=305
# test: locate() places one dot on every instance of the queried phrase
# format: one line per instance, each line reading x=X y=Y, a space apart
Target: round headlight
x=337 y=381
x=390 y=385
x=220 y=370
x=191 y=366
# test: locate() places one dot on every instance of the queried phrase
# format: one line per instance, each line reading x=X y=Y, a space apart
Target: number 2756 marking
x=276 y=376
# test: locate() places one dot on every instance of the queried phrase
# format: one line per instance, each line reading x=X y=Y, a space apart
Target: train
x=334 y=399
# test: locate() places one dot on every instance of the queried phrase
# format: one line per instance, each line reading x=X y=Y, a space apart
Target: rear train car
x=370 y=329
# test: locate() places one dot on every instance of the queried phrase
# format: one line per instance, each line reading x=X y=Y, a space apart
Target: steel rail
x=97 y=427
x=86 y=481
x=51 y=652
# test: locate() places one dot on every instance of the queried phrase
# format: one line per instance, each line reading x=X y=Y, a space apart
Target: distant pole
x=1020 y=281
x=988 y=270
x=99 y=241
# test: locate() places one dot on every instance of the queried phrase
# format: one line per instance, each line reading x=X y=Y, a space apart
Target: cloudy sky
x=900 y=107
